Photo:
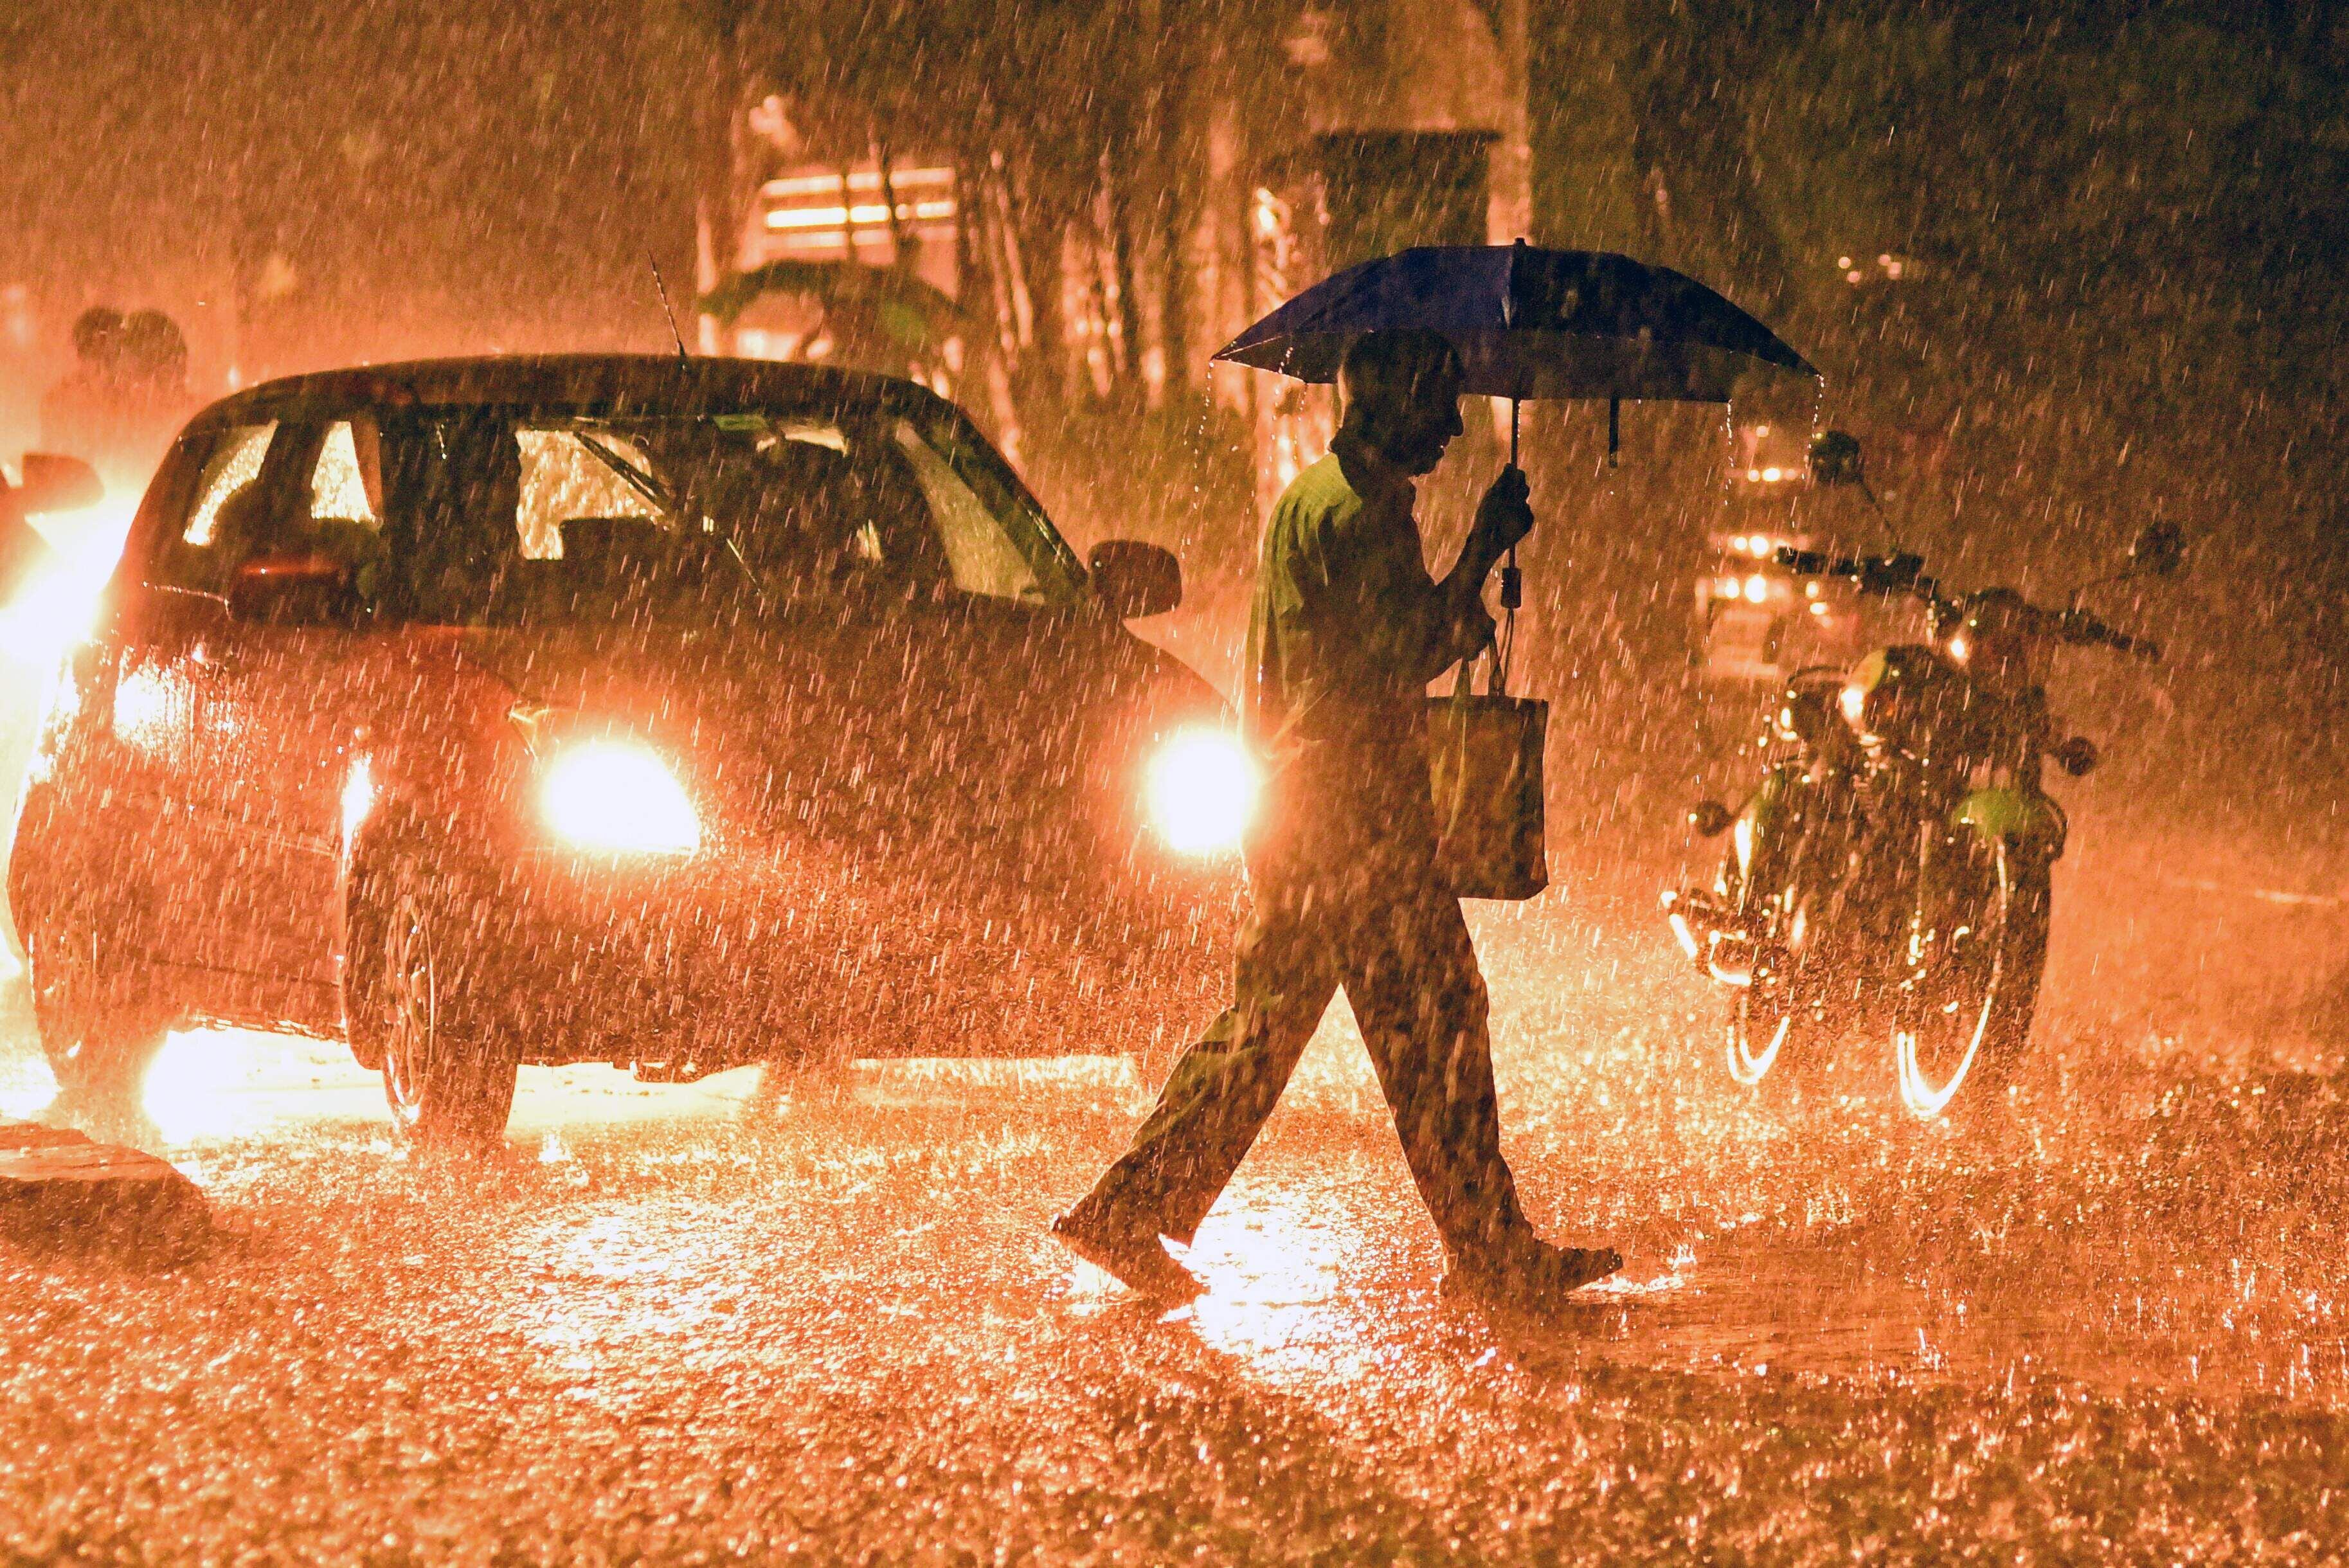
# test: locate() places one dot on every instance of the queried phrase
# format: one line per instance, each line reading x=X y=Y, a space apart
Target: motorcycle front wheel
x=1762 y=1021
x=1770 y=1023
x=1977 y=945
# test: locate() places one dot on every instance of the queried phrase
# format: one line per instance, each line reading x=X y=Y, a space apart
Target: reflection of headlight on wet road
x=1202 y=792
x=615 y=795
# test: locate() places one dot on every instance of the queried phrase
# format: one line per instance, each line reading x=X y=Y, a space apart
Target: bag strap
x=1491 y=654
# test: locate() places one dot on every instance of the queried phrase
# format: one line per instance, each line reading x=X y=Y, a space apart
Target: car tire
x=410 y=996
x=101 y=1019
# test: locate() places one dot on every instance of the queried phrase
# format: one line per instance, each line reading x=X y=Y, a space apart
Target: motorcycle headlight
x=617 y=794
x=1202 y=792
x=1854 y=703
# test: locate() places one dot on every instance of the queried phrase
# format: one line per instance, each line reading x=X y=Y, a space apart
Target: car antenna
x=661 y=288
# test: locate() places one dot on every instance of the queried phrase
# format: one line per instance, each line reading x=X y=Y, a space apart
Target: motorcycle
x=1890 y=872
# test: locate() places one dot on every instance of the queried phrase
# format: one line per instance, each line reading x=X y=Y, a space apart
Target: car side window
x=979 y=555
x=346 y=480
x=195 y=551
x=346 y=509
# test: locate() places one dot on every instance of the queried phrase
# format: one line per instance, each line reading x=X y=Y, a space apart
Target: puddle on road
x=1301 y=1290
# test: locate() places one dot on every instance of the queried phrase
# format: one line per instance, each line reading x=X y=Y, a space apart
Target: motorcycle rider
x=1346 y=632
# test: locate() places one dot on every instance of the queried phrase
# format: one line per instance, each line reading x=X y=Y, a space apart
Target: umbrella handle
x=1512 y=585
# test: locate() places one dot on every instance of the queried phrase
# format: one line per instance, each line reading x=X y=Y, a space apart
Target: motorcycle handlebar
x=2080 y=627
x=1894 y=574
x=1904 y=574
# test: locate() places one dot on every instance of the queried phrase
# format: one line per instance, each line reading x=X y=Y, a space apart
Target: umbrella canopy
x=1530 y=323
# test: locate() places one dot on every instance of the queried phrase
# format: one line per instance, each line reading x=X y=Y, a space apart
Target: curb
x=62 y=1191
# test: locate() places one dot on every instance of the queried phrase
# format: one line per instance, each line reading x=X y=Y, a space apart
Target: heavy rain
x=658 y=659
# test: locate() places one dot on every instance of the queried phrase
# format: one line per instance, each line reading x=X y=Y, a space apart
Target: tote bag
x=1484 y=765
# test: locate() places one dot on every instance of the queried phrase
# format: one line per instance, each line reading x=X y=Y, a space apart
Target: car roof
x=633 y=382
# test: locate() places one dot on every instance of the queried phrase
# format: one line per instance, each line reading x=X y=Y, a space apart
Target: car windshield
x=517 y=516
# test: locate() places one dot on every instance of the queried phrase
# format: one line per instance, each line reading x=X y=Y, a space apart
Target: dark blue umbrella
x=1531 y=323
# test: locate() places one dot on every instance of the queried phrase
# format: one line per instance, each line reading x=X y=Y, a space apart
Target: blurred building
x=812 y=214
x=1360 y=132
x=815 y=226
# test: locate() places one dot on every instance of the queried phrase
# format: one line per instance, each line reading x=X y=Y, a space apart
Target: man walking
x=1347 y=630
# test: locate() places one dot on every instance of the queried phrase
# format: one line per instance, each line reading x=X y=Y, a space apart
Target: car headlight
x=617 y=794
x=1202 y=790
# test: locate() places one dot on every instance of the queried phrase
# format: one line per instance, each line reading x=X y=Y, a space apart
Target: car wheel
x=102 y=1021
x=447 y=1077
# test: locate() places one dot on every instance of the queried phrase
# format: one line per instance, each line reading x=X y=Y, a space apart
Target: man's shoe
x=1530 y=1274
x=1139 y=1262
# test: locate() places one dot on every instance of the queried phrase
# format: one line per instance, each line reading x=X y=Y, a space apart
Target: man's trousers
x=1392 y=938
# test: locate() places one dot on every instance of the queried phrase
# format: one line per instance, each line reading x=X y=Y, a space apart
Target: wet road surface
x=747 y=1319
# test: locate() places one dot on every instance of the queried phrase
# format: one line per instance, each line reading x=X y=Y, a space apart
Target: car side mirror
x=2077 y=756
x=311 y=590
x=56 y=483
x=2158 y=551
x=1135 y=579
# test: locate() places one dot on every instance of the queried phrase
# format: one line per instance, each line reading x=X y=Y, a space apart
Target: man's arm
x=1503 y=518
x=1357 y=596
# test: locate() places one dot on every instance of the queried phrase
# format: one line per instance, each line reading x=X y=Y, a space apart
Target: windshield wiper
x=646 y=485
x=635 y=478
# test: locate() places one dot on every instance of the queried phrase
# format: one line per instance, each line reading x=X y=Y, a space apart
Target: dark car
x=669 y=713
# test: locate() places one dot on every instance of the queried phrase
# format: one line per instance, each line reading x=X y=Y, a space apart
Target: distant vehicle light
x=1737 y=544
x=1854 y=702
x=1202 y=792
x=1960 y=647
x=1771 y=475
x=1757 y=587
x=618 y=795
